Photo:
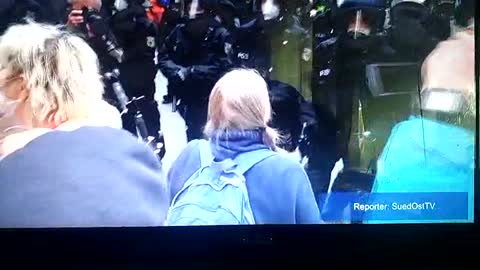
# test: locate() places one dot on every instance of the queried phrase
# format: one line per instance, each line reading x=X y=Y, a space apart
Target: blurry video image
x=195 y=112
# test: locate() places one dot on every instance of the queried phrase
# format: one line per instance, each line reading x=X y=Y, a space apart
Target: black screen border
x=370 y=246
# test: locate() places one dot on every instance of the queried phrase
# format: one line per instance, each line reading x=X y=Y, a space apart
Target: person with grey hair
x=68 y=169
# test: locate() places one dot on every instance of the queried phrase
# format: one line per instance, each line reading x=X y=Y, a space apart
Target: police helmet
x=241 y=8
x=444 y=8
x=225 y=6
x=202 y=3
x=464 y=11
x=369 y=12
x=193 y=8
x=227 y=12
x=359 y=23
x=415 y=26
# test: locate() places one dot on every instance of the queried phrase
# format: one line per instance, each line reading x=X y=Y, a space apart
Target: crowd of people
x=70 y=169
x=69 y=156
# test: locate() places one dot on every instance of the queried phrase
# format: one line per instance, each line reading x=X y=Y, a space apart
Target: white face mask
x=147 y=4
x=194 y=10
x=270 y=10
x=7 y=105
x=120 y=5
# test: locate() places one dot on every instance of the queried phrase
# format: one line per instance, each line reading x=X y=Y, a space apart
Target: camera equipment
x=385 y=79
x=128 y=106
x=122 y=98
x=99 y=28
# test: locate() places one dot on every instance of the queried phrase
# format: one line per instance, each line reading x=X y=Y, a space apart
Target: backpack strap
x=206 y=156
x=246 y=161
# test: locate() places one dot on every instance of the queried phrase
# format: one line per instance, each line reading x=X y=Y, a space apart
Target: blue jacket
x=89 y=177
x=278 y=187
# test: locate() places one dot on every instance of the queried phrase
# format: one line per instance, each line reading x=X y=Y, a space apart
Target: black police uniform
x=416 y=29
x=172 y=17
x=464 y=11
x=196 y=50
x=251 y=46
x=138 y=38
x=6 y=8
x=46 y=11
x=98 y=35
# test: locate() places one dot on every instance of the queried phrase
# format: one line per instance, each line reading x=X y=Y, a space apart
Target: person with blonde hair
x=69 y=168
x=239 y=111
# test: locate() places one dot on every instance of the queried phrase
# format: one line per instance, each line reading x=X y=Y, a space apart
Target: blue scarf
x=228 y=144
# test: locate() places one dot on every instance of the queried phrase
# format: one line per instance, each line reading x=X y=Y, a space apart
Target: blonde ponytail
x=270 y=138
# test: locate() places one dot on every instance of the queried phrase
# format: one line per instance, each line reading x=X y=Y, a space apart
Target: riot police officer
x=173 y=17
x=138 y=37
x=365 y=38
x=359 y=27
x=86 y=18
x=89 y=19
x=251 y=24
x=193 y=58
x=95 y=23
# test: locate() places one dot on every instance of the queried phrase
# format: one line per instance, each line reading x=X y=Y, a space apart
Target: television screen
x=191 y=113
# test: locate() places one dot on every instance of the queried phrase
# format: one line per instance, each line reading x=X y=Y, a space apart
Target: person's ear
x=52 y=120
x=16 y=88
x=23 y=92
